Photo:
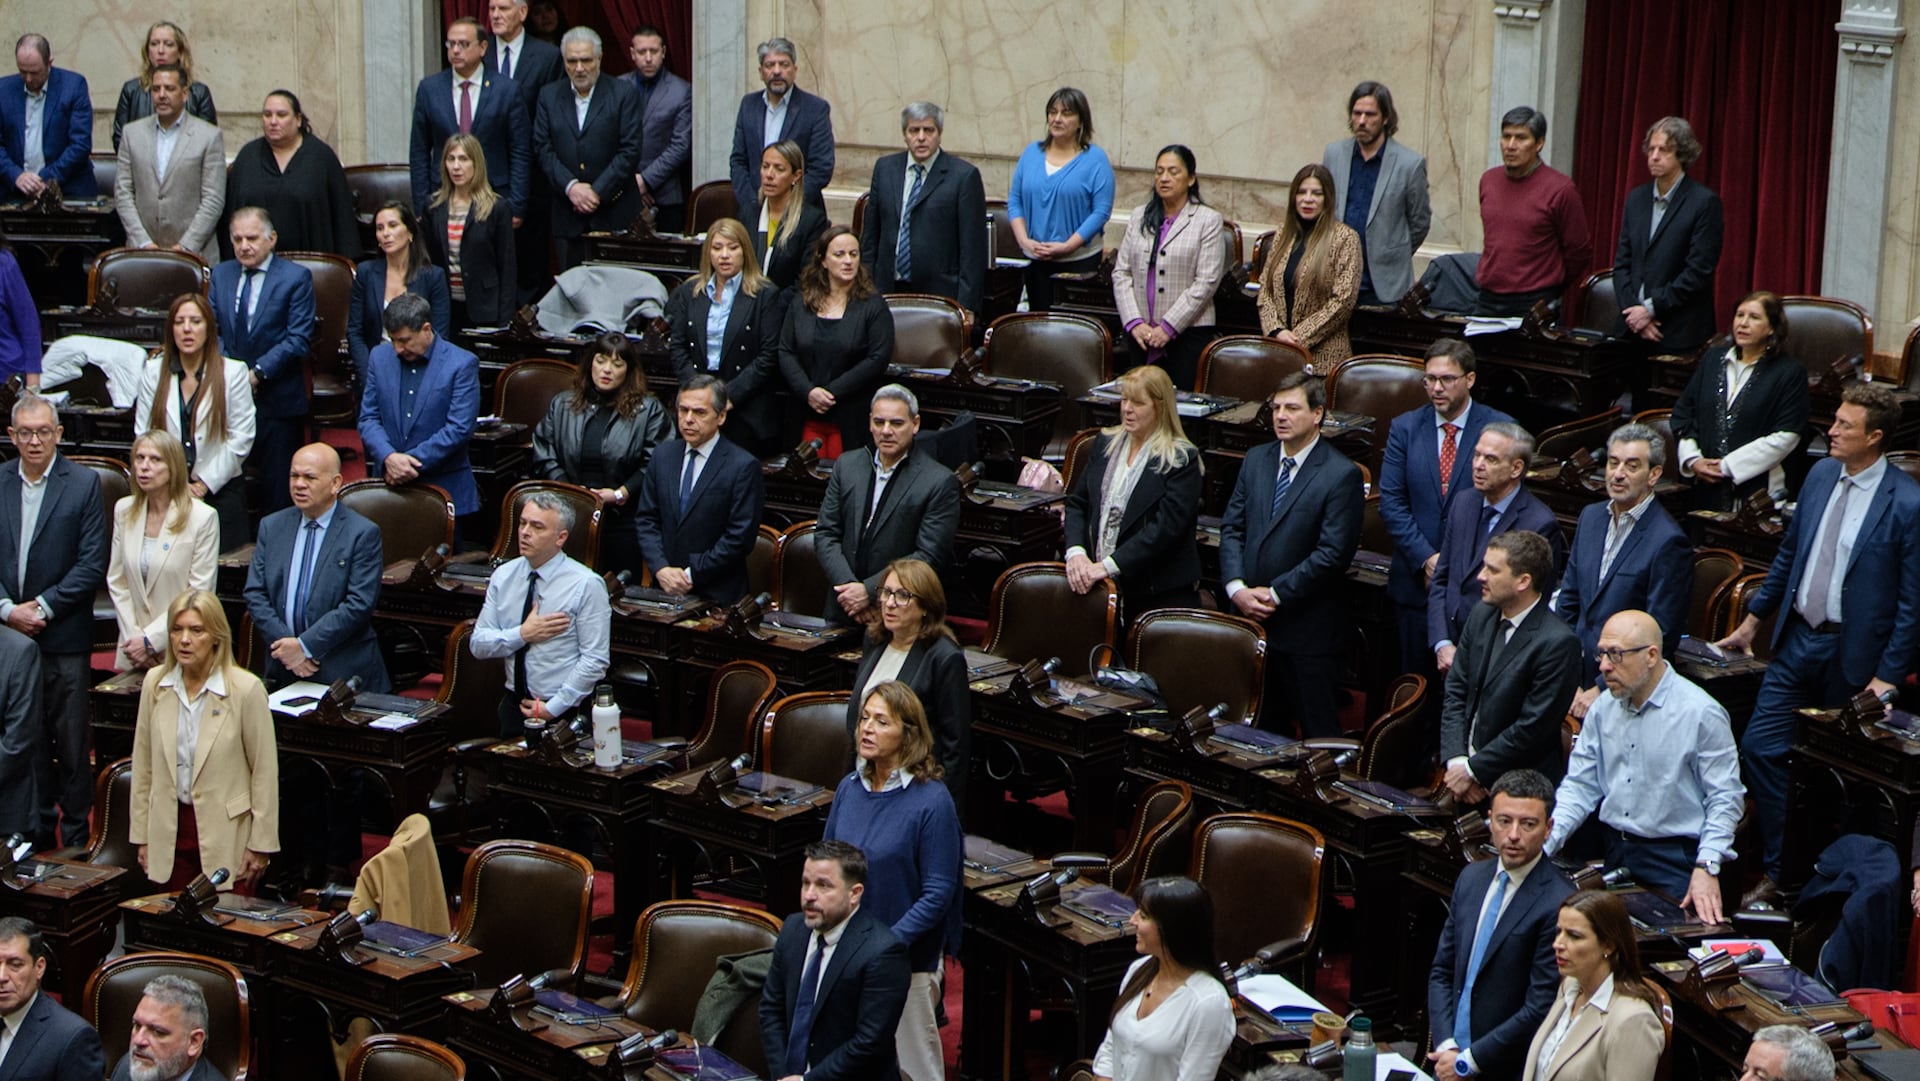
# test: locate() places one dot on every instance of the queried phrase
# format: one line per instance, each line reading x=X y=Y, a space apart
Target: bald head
x=1632 y=628
x=1629 y=655
x=315 y=478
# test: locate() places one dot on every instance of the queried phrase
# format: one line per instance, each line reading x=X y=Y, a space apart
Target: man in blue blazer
x=324 y=632
x=945 y=210
x=419 y=405
x=589 y=158
x=700 y=504
x=53 y=558
x=1663 y=265
x=264 y=307
x=781 y=112
x=1384 y=185
x=666 y=128
x=50 y=1042
x=1482 y=1011
x=1415 y=490
x=1844 y=592
x=61 y=116
x=1628 y=555
x=495 y=115
x=1500 y=503
x=1292 y=526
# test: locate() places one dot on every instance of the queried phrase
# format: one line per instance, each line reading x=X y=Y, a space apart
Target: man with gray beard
x=169 y=1035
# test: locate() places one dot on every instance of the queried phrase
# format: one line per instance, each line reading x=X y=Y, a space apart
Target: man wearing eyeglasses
x=1656 y=758
x=473 y=98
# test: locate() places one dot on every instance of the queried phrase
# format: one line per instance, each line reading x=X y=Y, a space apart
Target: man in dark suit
x=1493 y=976
x=1429 y=458
x=473 y=98
x=53 y=557
x=884 y=504
x=1291 y=529
x=48 y=1041
x=586 y=140
x=1846 y=589
x=323 y=631
x=1500 y=504
x=1669 y=246
x=532 y=64
x=52 y=106
x=666 y=129
x=942 y=248
x=700 y=504
x=265 y=310
x=782 y=112
x=419 y=405
x=838 y=981
x=1512 y=677
x=22 y=734
x=1628 y=555
x=169 y=1035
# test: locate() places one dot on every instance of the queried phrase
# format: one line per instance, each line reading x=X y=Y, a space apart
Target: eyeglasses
x=896 y=596
x=34 y=435
x=453 y=43
x=1442 y=380
x=1615 y=656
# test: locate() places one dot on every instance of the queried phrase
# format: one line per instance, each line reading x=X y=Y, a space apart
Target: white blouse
x=1183 y=1040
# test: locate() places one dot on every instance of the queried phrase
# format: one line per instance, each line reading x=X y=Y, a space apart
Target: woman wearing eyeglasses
x=911 y=642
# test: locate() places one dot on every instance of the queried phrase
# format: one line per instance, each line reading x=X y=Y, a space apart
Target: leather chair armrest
x=77 y=853
x=471 y=746
x=1282 y=952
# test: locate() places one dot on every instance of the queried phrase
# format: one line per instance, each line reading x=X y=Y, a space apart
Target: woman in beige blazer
x=1168 y=267
x=164 y=541
x=206 y=782
x=1311 y=279
x=1603 y=1025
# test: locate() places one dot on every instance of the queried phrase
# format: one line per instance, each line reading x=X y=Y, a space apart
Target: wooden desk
x=58 y=244
x=800 y=662
x=76 y=906
x=1711 y=1039
x=141 y=326
x=1014 y=417
x=244 y=943
x=315 y=993
x=1081 y=736
x=1842 y=780
x=669 y=257
x=1214 y=422
x=557 y=1051
x=772 y=837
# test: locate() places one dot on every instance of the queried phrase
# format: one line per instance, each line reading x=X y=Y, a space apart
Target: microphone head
x=1051 y=664
x=1617 y=877
x=740 y=763
x=1217 y=713
x=623 y=577
x=765 y=598
x=353 y=683
x=443 y=549
x=367 y=918
x=1752 y=956
x=664 y=1039
x=219 y=876
x=816 y=443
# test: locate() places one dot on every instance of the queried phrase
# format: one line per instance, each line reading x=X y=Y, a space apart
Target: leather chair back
x=470 y=687
x=1375 y=537
x=108 y=846
x=390 y=1056
x=373 y=186
x=1661 y=421
x=677 y=946
x=858 y=220
x=760 y=561
x=1264 y=873
x=583 y=543
x=1742 y=591
x=799 y=582
x=1821 y=330
x=1561 y=441
x=250 y=646
x=524 y=905
x=1906 y=461
x=1074 y=351
x=1257 y=262
x=1201 y=658
x=147 y=277
x=1395 y=744
x=708 y=204
x=1160 y=839
x=528 y=387
x=1248 y=366
x=804 y=736
x=413 y=518
x=1233 y=239
x=116 y=479
x=1663 y=1009
x=928 y=331
x=1598 y=310
x=738 y=692
x=1079 y=448
x=1034 y=615
x=1714 y=572
x=106 y=169
x=1005 y=246
x=1381 y=387
x=335 y=400
x=116 y=988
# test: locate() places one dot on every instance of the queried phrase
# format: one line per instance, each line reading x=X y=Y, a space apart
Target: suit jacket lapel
x=934 y=176
x=1631 y=542
x=19 y=1052
x=1303 y=477
x=896 y=486
x=1675 y=201
x=1585 y=1027
x=1497 y=663
x=736 y=317
x=851 y=942
x=1882 y=499
x=211 y=719
x=10 y=524
x=1380 y=182
x=50 y=502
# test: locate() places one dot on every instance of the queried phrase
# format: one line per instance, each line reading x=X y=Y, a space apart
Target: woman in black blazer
x=403 y=267
x=599 y=434
x=1133 y=507
x=836 y=343
x=911 y=642
x=788 y=225
x=1744 y=410
x=744 y=353
x=478 y=257
x=166 y=44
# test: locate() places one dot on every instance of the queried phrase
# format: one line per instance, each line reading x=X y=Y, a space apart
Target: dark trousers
x=669 y=219
x=1182 y=356
x=230 y=504
x=512 y=724
x=1664 y=863
x=66 y=774
x=1507 y=305
x=1302 y=694
x=1040 y=273
x=274 y=441
x=532 y=243
x=571 y=251
x=1805 y=671
x=23 y=734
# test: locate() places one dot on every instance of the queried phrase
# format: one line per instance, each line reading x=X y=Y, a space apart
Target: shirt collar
x=887 y=473
x=927 y=165
x=1517 y=876
x=262 y=268
x=174 y=127
x=1679 y=180
x=216 y=683
x=1300 y=458
x=326 y=517
x=1524 y=613
x=1602 y=999
x=1507 y=501
x=14 y=1020
x=513 y=44
x=715 y=289
x=832 y=934
x=51 y=462
x=1459 y=422
x=766 y=97
x=1868 y=479
x=1635 y=512
x=896 y=780
x=1655 y=700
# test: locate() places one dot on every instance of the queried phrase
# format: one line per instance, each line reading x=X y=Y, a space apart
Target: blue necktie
x=247 y=279
x=305 y=585
x=1463 y=1017
x=802 y=1027
x=686 y=479
x=903 y=251
x=1282 y=483
x=1488 y=516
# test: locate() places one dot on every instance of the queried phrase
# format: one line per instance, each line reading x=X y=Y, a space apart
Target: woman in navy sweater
x=893 y=808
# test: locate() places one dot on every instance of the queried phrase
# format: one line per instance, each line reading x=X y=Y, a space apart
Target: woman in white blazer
x=190 y=378
x=206 y=780
x=164 y=541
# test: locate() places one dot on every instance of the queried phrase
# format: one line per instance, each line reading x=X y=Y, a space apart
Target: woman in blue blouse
x=1061 y=197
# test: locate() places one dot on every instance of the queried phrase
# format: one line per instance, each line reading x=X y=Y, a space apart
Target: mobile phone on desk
x=1400 y=1075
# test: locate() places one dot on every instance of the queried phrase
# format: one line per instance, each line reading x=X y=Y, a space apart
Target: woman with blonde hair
x=166 y=44
x=205 y=400
x=891 y=808
x=206 y=782
x=1311 y=279
x=164 y=541
x=725 y=322
x=470 y=236
x=912 y=643
x=1132 y=510
x=788 y=225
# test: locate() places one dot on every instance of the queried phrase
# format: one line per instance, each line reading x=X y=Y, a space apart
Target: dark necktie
x=466 y=106
x=802 y=1026
x=506 y=61
x=1282 y=483
x=686 y=479
x=246 y=296
x=1489 y=514
x=305 y=585
x=903 y=251
x=520 y=655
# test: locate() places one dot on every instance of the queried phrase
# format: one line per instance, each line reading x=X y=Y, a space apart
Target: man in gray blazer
x=666 y=129
x=883 y=504
x=1382 y=191
x=171 y=182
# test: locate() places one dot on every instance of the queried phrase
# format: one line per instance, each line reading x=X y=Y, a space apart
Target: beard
x=158 y=1069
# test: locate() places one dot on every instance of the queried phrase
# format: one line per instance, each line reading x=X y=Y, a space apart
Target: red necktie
x=466 y=106
x=1449 y=446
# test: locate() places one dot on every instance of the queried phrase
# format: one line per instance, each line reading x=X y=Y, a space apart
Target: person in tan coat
x=1603 y=1025
x=1311 y=279
x=206 y=780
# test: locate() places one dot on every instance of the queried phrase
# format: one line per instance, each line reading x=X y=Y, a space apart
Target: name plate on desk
x=704 y=1064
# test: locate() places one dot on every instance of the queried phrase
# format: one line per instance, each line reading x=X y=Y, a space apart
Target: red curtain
x=615 y=20
x=1757 y=86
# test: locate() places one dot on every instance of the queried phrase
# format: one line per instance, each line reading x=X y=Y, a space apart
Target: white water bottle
x=606 y=728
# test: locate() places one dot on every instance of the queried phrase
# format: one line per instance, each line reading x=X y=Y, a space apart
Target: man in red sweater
x=1534 y=227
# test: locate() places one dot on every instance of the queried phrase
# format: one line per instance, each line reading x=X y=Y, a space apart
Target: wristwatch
x=1711 y=867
